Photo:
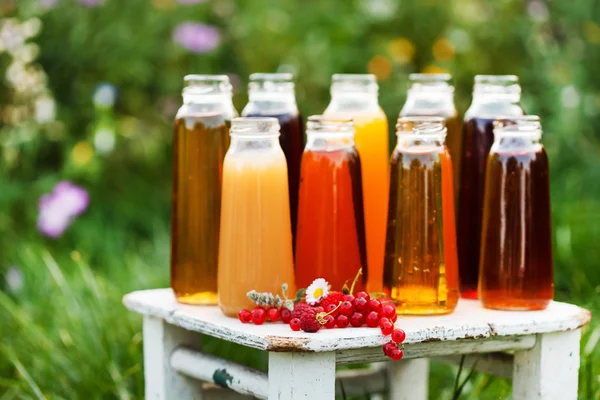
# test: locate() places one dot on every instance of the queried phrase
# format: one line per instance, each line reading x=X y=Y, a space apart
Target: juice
x=330 y=240
x=255 y=249
x=493 y=96
x=371 y=140
x=516 y=256
x=431 y=95
x=421 y=266
x=273 y=95
x=292 y=143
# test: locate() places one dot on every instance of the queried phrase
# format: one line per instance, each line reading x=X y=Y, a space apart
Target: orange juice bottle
x=355 y=96
x=421 y=263
x=255 y=242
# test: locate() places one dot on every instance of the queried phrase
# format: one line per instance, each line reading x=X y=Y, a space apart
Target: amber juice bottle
x=493 y=96
x=200 y=140
x=421 y=267
x=272 y=95
x=516 y=242
x=433 y=95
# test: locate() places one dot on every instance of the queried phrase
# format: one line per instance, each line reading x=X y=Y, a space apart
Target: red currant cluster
x=259 y=315
x=391 y=349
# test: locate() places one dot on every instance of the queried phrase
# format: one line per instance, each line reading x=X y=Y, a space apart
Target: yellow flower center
x=318 y=292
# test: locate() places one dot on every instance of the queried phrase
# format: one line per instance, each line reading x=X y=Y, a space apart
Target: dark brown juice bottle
x=421 y=265
x=330 y=239
x=516 y=247
x=201 y=138
x=433 y=95
x=272 y=95
x=493 y=96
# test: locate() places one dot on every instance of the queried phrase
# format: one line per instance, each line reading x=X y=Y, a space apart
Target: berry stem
x=359 y=273
x=321 y=316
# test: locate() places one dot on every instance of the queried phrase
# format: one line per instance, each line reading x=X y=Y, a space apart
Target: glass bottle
x=255 y=246
x=421 y=265
x=330 y=241
x=200 y=139
x=433 y=95
x=272 y=95
x=355 y=97
x=493 y=96
x=516 y=242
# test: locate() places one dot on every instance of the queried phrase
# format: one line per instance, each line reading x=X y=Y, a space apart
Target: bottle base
x=198 y=299
x=423 y=310
x=516 y=305
x=422 y=300
x=470 y=294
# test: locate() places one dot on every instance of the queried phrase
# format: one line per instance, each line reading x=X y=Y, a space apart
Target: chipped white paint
x=302 y=365
x=497 y=364
x=549 y=371
x=469 y=321
x=408 y=379
x=209 y=368
x=294 y=376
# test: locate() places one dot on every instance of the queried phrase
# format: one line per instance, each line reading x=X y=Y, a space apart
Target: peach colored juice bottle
x=355 y=96
x=255 y=244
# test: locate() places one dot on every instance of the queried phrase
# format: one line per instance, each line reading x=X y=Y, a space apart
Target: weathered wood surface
x=469 y=321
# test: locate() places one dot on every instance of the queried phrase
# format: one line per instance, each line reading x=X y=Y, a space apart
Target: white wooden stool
x=543 y=360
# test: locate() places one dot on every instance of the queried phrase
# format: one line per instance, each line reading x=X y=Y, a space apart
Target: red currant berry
x=357 y=320
x=319 y=309
x=349 y=298
x=383 y=321
x=295 y=324
x=361 y=305
x=342 y=321
x=386 y=328
x=329 y=322
x=346 y=308
x=398 y=335
x=372 y=319
x=396 y=354
x=285 y=315
x=245 y=316
x=363 y=295
x=332 y=308
x=394 y=317
x=259 y=315
x=389 y=347
x=375 y=305
x=388 y=312
x=273 y=314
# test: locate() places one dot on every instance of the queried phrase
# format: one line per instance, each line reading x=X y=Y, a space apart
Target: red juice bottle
x=516 y=241
x=493 y=96
x=330 y=238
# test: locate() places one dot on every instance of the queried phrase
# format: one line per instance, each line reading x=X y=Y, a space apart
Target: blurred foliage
x=64 y=333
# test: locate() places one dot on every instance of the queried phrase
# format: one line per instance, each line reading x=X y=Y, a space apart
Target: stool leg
x=162 y=382
x=409 y=379
x=550 y=369
x=301 y=376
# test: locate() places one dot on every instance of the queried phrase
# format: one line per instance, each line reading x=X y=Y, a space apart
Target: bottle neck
x=318 y=141
x=353 y=102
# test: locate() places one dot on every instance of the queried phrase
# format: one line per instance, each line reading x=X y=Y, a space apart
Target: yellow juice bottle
x=355 y=96
x=255 y=244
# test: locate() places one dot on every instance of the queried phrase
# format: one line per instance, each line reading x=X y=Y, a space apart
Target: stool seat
x=170 y=327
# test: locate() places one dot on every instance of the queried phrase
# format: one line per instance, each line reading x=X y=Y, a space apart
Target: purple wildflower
x=191 y=1
x=47 y=4
x=91 y=3
x=57 y=209
x=196 y=37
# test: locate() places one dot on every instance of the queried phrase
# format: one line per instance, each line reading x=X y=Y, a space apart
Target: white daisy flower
x=317 y=291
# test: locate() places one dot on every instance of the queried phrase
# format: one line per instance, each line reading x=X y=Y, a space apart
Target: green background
x=64 y=333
